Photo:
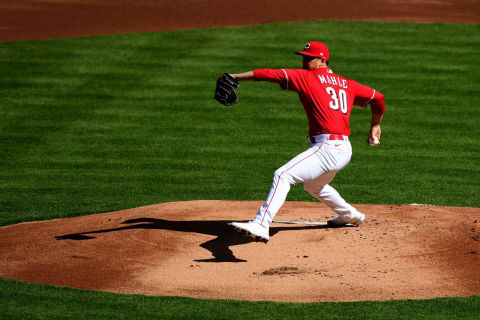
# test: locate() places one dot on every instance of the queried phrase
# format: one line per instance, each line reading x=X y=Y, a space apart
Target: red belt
x=336 y=137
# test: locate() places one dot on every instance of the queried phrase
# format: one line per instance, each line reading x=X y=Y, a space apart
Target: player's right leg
x=305 y=166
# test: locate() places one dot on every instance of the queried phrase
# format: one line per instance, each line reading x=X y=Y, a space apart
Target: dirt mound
x=188 y=249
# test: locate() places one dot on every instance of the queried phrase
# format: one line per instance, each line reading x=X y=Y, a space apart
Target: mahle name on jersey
x=335 y=81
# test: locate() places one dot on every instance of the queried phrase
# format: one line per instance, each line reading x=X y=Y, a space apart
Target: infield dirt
x=43 y=19
x=188 y=249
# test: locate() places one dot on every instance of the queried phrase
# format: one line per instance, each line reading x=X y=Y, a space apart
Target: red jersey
x=326 y=97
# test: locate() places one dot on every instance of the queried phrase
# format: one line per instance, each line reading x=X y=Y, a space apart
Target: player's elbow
x=378 y=105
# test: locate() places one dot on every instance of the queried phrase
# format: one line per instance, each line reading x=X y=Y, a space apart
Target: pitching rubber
x=312 y=223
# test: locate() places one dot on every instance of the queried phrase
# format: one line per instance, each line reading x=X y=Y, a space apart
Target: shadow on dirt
x=226 y=236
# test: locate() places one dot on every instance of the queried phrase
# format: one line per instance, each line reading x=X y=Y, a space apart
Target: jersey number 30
x=339 y=101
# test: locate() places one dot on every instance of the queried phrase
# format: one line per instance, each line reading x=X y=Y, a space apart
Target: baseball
x=373 y=141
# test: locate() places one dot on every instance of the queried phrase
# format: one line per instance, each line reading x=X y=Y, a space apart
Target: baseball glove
x=225 y=90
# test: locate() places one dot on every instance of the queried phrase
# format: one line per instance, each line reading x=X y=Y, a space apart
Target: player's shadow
x=226 y=236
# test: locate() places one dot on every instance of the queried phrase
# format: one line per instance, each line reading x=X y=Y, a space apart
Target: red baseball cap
x=315 y=49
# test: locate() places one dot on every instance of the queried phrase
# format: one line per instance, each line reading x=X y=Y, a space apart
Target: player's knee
x=278 y=174
x=281 y=175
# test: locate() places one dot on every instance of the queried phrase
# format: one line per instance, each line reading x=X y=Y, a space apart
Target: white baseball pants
x=315 y=168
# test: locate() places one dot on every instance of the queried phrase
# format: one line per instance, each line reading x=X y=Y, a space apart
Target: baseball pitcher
x=327 y=99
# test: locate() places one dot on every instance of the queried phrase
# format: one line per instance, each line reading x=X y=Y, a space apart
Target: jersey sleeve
x=288 y=79
x=365 y=95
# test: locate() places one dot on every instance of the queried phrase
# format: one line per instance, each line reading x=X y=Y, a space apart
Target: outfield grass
x=107 y=123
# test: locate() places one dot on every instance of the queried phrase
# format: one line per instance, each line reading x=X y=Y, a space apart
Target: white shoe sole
x=241 y=229
x=353 y=222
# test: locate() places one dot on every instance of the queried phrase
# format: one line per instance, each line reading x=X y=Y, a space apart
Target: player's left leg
x=346 y=213
x=320 y=189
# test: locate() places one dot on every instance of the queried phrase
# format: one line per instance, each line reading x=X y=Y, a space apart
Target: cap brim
x=305 y=53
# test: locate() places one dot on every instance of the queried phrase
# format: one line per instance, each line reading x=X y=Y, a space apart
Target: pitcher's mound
x=188 y=249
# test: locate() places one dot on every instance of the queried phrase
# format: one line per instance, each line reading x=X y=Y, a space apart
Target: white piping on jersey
x=373 y=95
x=286 y=75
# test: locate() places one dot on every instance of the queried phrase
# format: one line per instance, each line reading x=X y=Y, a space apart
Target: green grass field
x=44 y=302
x=106 y=123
